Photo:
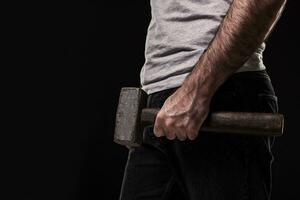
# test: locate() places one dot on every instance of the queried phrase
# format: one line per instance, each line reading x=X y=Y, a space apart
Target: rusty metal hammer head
x=128 y=125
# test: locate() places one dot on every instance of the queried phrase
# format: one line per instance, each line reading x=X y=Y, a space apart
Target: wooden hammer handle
x=245 y=123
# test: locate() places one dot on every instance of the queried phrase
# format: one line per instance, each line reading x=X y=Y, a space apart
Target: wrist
x=199 y=90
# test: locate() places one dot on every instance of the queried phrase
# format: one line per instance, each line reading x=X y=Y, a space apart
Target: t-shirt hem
x=176 y=81
x=171 y=82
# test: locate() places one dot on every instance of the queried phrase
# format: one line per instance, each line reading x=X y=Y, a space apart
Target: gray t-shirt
x=178 y=34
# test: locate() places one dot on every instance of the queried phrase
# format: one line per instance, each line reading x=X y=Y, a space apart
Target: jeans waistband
x=235 y=81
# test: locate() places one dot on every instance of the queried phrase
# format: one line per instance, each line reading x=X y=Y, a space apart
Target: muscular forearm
x=245 y=26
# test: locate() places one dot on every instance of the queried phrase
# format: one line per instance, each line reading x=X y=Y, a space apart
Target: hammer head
x=128 y=125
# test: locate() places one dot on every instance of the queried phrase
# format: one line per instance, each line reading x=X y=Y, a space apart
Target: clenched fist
x=182 y=114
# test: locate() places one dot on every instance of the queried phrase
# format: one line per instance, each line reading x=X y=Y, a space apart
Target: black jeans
x=214 y=166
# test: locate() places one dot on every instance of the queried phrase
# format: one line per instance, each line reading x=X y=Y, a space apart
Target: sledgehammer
x=132 y=117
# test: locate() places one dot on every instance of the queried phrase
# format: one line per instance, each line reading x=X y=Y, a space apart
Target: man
x=202 y=56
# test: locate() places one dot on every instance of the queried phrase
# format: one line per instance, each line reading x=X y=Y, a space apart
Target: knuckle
x=158 y=118
x=168 y=123
x=180 y=125
x=160 y=115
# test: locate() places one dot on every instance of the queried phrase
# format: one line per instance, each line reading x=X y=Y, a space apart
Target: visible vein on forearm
x=246 y=25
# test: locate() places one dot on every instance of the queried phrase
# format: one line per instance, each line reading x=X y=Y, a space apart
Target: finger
x=170 y=135
x=192 y=136
x=192 y=132
x=158 y=131
x=179 y=134
x=169 y=130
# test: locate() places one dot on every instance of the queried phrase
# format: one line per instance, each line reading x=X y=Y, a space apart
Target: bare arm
x=246 y=25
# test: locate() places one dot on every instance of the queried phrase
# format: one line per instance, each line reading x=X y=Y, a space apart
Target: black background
x=91 y=50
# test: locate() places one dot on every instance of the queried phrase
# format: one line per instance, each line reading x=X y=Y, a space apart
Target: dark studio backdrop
x=101 y=49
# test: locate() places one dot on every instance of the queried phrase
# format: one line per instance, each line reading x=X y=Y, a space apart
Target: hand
x=182 y=114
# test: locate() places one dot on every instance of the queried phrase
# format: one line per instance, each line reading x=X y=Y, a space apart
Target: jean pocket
x=267 y=103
